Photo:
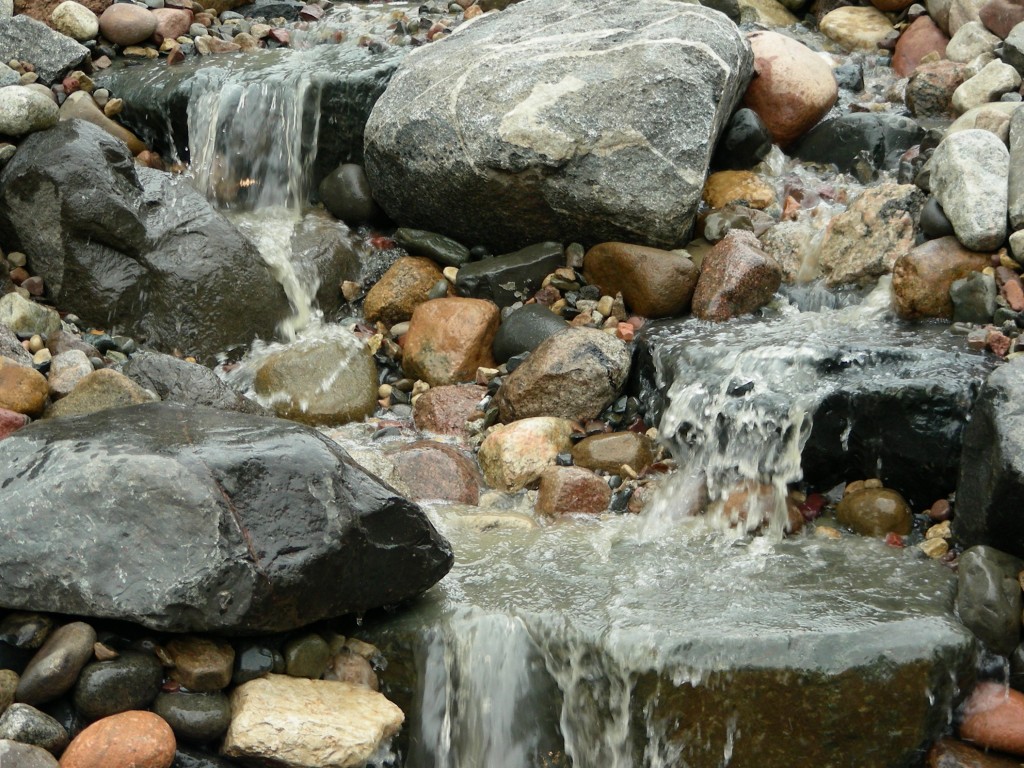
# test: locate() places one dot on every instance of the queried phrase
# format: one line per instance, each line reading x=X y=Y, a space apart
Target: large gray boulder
x=990 y=497
x=53 y=54
x=187 y=519
x=589 y=120
x=130 y=247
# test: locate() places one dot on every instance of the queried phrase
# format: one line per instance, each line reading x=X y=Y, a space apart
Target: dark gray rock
x=884 y=401
x=252 y=660
x=974 y=298
x=988 y=597
x=11 y=348
x=525 y=329
x=27 y=756
x=991 y=483
x=26 y=724
x=131 y=681
x=190 y=519
x=52 y=54
x=323 y=254
x=512 y=277
x=25 y=630
x=195 y=717
x=849 y=77
x=327 y=91
x=178 y=381
x=345 y=192
x=871 y=140
x=574 y=374
x=443 y=250
x=745 y=143
x=194 y=758
x=306 y=656
x=933 y=221
x=271 y=9
x=55 y=667
x=563 y=123
x=133 y=247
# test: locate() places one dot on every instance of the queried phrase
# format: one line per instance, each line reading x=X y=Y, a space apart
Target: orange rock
x=653 y=282
x=22 y=389
x=994 y=718
x=921 y=278
x=127 y=740
x=449 y=339
x=949 y=753
x=401 y=289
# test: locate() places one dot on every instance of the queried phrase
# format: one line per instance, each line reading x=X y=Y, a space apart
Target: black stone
x=195 y=717
x=512 y=277
x=933 y=220
x=345 y=192
x=988 y=599
x=524 y=330
x=443 y=250
x=177 y=381
x=871 y=139
x=991 y=486
x=850 y=77
x=745 y=143
x=186 y=757
x=203 y=520
x=252 y=660
x=131 y=681
x=130 y=246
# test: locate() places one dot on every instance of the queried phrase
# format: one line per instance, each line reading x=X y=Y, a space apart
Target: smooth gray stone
x=55 y=667
x=512 y=277
x=26 y=724
x=525 y=329
x=131 y=681
x=195 y=717
x=989 y=597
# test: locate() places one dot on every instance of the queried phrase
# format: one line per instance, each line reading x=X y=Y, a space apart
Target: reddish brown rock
x=127 y=740
x=1000 y=16
x=400 y=290
x=171 y=23
x=736 y=278
x=875 y=512
x=792 y=88
x=922 y=37
x=994 y=718
x=437 y=471
x=11 y=422
x=1011 y=289
x=127 y=24
x=949 y=753
x=653 y=282
x=571 y=490
x=892 y=6
x=449 y=339
x=201 y=664
x=921 y=278
x=609 y=452
x=930 y=90
x=447 y=409
x=22 y=389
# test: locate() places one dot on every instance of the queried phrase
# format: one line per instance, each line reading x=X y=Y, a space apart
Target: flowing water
x=617 y=642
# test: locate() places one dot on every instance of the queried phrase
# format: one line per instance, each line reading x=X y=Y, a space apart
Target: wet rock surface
x=553 y=179
x=245 y=577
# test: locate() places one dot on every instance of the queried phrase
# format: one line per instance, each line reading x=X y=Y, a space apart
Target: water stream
x=625 y=641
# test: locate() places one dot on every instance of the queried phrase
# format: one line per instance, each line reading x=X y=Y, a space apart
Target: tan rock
x=66 y=370
x=736 y=278
x=856 y=28
x=80 y=105
x=127 y=24
x=875 y=512
x=323 y=381
x=768 y=13
x=131 y=739
x=75 y=20
x=207 y=44
x=653 y=282
x=513 y=455
x=100 y=391
x=892 y=6
x=22 y=389
x=921 y=278
x=922 y=37
x=449 y=339
x=609 y=452
x=201 y=664
x=400 y=290
x=994 y=718
x=447 y=409
x=571 y=490
x=287 y=721
x=744 y=187
x=862 y=243
x=792 y=88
